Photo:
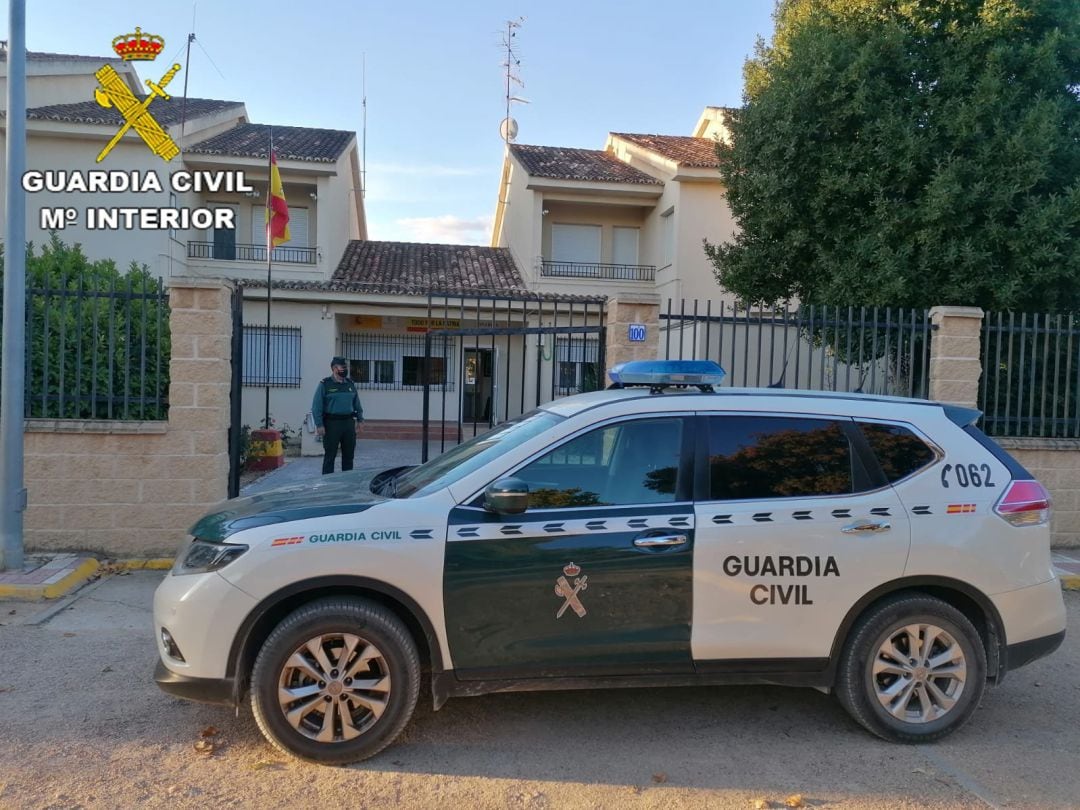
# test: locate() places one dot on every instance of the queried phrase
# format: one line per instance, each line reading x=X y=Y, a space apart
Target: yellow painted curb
x=1070 y=582
x=152 y=564
x=83 y=572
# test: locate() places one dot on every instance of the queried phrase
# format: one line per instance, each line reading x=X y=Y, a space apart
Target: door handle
x=867 y=527
x=661 y=540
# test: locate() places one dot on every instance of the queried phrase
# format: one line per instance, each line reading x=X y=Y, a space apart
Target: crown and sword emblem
x=570 y=592
x=114 y=92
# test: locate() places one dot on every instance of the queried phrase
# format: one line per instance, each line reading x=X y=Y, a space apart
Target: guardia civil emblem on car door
x=570 y=592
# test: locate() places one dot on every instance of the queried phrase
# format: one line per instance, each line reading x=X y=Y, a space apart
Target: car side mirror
x=507 y=496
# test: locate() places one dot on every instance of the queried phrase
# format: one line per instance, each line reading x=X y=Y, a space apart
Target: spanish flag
x=277 y=211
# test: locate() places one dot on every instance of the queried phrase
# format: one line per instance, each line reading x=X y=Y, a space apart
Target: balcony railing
x=251 y=253
x=615 y=272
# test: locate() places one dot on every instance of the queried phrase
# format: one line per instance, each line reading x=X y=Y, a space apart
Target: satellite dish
x=508 y=129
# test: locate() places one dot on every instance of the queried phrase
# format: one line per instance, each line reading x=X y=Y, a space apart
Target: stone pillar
x=200 y=375
x=955 y=364
x=624 y=311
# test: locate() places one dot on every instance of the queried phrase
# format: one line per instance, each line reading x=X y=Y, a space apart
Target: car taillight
x=1025 y=503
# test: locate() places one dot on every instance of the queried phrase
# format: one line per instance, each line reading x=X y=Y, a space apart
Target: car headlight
x=201 y=557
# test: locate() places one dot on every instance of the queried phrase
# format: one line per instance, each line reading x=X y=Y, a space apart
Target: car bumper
x=204 y=690
x=1018 y=655
x=1034 y=621
x=202 y=613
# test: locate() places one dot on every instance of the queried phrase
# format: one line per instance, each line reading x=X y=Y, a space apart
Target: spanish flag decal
x=959 y=508
x=287 y=541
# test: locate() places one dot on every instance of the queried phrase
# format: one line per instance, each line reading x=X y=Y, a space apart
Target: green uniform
x=336 y=407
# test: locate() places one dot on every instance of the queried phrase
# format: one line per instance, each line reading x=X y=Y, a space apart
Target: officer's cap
x=339 y=361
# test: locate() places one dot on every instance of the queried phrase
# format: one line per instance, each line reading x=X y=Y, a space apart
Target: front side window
x=456 y=463
x=899 y=451
x=754 y=457
x=632 y=462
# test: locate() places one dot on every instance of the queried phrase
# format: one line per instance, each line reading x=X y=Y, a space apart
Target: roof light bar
x=659 y=374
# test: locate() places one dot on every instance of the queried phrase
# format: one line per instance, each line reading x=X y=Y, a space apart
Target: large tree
x=909 y=152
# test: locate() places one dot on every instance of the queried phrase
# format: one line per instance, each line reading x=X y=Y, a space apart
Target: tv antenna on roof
x=508 y=129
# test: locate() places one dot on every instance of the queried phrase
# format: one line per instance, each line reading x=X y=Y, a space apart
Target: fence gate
x=492 y=358
x=236 y=391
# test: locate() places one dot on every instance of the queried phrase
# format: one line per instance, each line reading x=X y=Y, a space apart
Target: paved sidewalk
x=1067 y=566
x=377 y=454
x=47 y=576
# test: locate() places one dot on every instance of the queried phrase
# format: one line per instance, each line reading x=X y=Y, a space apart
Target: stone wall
x=131 y=489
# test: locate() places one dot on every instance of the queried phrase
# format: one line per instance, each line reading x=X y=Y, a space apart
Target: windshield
x=455 y=464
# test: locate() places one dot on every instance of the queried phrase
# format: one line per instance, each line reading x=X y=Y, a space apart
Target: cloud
x=419 y=170
x=446 y=229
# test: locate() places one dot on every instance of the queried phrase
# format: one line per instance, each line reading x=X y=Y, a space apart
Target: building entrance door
x=476 y=406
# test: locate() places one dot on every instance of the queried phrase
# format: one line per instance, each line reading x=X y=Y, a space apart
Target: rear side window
x=777 y=457
x=899 y=451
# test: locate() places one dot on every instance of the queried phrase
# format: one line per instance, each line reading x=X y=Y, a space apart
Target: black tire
x=857 y=687
x=379 y=629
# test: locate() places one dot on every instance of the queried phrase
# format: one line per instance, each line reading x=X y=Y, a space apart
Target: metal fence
x=395 y=362
x=619 y=272
x=236 y=252
x=284 y=346
x=880 y=350
x=1031 y=375
x=97 y=353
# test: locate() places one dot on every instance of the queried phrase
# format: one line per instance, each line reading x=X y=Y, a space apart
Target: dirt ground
x=82 y=725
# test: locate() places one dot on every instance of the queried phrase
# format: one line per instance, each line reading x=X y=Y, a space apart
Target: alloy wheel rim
x=334 y=687
x=919 y=673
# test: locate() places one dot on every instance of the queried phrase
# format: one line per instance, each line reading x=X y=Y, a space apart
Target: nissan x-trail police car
x=882 y=549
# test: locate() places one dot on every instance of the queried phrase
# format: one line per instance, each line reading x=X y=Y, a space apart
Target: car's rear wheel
x=913 y=670
x=336 y=681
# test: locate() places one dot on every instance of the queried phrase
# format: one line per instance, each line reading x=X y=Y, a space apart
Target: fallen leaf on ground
x=6 y=688
x=69 y=635
x=107 y=669
x=266 y=764
x=11 y=613
x=795 y=800
x=205 y=747
x=659 y=778
x=209 y=731
x=762 y=804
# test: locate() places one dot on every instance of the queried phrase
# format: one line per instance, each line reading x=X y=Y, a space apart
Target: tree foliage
x=911 y=153
x=98 y=343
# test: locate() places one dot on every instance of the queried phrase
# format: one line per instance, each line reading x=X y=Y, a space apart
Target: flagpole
x=269 y=270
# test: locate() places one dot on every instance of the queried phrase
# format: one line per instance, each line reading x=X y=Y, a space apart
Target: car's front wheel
x=913 y=669
x=336 y=681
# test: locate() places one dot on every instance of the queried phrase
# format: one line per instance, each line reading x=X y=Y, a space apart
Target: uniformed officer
x=338 y=414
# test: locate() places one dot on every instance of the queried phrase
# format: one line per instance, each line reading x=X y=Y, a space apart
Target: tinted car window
x=777 y=457
x=630 y=462
x=899 y=451
x=455 y=464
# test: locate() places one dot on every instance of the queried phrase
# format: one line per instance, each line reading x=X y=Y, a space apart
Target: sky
x=435 y=82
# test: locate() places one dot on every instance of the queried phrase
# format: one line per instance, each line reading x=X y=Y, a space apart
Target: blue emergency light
x=659 y=374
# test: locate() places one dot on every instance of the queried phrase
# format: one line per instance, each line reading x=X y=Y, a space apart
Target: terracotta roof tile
x=165 y=113
x=290 y=143
x=578 y=164
x=44 y=56
x=683 y=149
x=369 y=289
x=415 y=267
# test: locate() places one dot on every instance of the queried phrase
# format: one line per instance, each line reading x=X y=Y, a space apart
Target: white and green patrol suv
x=883 y=549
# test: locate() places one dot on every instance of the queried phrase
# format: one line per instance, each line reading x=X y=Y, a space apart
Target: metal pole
x=12 y=368
x=269 y=271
